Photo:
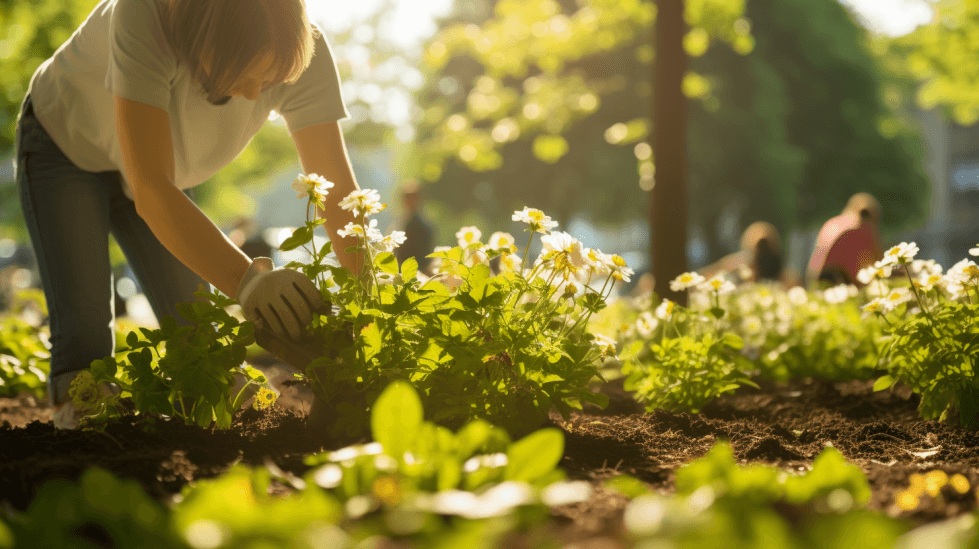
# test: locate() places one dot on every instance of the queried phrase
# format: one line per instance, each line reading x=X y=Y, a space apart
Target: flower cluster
x=538 y=222
x=312 y=187
x=363 y=202
x=264 y=399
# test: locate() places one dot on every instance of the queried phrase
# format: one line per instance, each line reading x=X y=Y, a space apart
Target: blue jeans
x=69 y=214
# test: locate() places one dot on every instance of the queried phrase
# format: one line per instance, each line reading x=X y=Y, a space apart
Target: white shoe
x=66 y=417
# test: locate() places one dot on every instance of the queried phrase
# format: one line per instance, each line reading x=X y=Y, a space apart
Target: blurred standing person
x=418 y=231
x=847 y=243
x=760 y=256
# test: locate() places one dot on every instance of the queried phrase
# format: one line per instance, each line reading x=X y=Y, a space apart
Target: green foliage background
x=787 y=118
x=793 y=108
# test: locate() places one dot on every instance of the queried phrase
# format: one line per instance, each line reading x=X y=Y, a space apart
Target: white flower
x=363 y=202
x=646 y=324
x=798 y=295
x=355 y=229
x=312 y=186
x=869 y=274
x=619 y=269
x=959 y=275
x=839 y=294
x=925 y=267
x=509 y=262
x=392 y=241
x=974 y=251
x=900 y=254
x=874 y=307
x=565 y=251
x=878 y=289
x=686 y=281
x=468 y=235
x=606 y=344
x=928 y=281
x=536 y=219
x=501 y=241
x=894 y=298
x=665 y=310
x=600 y=263
x=718 y=284
x=752 y=324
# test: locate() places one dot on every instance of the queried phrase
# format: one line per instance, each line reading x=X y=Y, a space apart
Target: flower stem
x=917 y=295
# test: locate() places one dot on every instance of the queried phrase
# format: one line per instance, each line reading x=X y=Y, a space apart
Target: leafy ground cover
x=733 y=418
x=782 y=424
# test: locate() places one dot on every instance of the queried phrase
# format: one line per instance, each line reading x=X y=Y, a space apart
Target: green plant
x=187 y=372
x=795 y=335
x=24 y=357
x=99 y=510
x=932 y=346
x=504 y=347
x=418 y=483
x=686 y=359
x=761 y=506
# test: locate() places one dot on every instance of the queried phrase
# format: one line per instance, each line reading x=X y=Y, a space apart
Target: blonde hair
x=231 y=34
x=761 y=230
x=866 y=205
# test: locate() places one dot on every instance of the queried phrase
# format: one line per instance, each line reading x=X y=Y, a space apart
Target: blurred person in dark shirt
x=418 y=232
x=759 y=259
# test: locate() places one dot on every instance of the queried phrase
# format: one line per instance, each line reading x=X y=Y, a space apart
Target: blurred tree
x=546 y=104
x=852 y=139
x=940 y=58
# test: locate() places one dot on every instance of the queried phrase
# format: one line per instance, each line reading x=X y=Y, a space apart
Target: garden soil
x=782 y=424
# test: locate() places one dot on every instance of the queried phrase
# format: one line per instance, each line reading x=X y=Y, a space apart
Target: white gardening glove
x=282 y=300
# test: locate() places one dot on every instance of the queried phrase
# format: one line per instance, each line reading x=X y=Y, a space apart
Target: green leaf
x=535 y=455
x=884 y=382
x=629 y=487
x=732 y=341
x=373 y=343
x=387 y=262
x=409 y=269
x=300 y=236
x=132 y=339
x=203 y=413
x=396 y=418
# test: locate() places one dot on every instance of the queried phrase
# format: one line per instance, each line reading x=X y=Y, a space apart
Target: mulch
x=782 y=424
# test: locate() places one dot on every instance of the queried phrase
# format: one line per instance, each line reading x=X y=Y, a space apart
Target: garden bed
x=783 y=424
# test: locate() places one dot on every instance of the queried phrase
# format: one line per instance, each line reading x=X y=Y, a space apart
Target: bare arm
x=322 y=151
x=183 y=229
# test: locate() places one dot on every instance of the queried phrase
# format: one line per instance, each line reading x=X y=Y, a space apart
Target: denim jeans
x=69 y=214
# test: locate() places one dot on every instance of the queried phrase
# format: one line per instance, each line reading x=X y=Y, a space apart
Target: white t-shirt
x=121 y=50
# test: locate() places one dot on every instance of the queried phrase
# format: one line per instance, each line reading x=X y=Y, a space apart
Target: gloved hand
x=282 y=300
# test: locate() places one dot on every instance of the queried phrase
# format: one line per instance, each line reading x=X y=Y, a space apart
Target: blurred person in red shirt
x=847 y=243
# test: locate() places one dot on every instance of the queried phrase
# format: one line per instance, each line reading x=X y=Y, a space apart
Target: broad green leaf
x=535 y=455
x=300 y=236
x=371 y=336
x=396 y=418
x=733 y=341
x=387 y=262
x=884 y=382
x=409 y=270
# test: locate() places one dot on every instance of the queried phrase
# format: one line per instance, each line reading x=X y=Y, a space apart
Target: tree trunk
x=668 y=221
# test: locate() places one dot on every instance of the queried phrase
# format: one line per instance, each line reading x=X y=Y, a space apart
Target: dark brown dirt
x=782 y=424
